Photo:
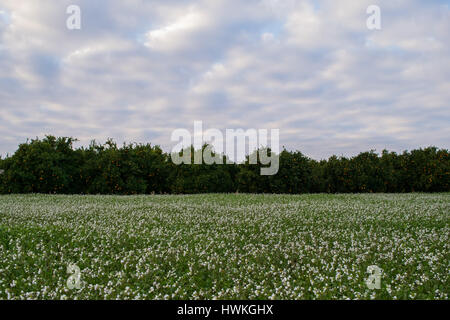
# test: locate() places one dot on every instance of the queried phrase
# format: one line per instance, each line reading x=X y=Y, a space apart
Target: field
x=222 y=246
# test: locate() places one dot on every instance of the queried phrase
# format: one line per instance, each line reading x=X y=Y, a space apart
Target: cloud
x=177 y=33
x=136 y=72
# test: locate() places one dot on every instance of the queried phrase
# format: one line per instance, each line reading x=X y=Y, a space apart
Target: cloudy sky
x=139 y=69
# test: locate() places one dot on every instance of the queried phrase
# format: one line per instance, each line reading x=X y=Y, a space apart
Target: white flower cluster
x=225 y=246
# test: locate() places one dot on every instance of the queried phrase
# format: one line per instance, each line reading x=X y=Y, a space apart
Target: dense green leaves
x=47 y=166
x=52 y=165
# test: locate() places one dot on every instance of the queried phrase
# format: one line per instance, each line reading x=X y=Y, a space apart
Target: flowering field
x=222 y=246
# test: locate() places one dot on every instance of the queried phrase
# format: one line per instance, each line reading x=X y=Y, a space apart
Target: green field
x=225 y=246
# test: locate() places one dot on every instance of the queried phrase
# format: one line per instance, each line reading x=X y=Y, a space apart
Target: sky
x=137 y=70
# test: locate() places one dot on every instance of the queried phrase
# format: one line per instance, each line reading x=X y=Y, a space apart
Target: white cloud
x=312 y=69
x=176 y=34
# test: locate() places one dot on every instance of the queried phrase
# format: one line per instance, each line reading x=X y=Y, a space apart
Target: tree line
x=53 y=165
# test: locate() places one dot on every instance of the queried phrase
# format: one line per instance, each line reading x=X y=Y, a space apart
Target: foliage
x=52 y=165
x=225 y=246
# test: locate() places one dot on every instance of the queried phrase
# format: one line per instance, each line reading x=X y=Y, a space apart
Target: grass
x=222 y=246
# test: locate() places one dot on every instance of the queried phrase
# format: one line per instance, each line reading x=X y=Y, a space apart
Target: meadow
x=225 y=246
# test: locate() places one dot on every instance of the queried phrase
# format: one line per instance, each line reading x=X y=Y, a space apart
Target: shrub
x=52 y=165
